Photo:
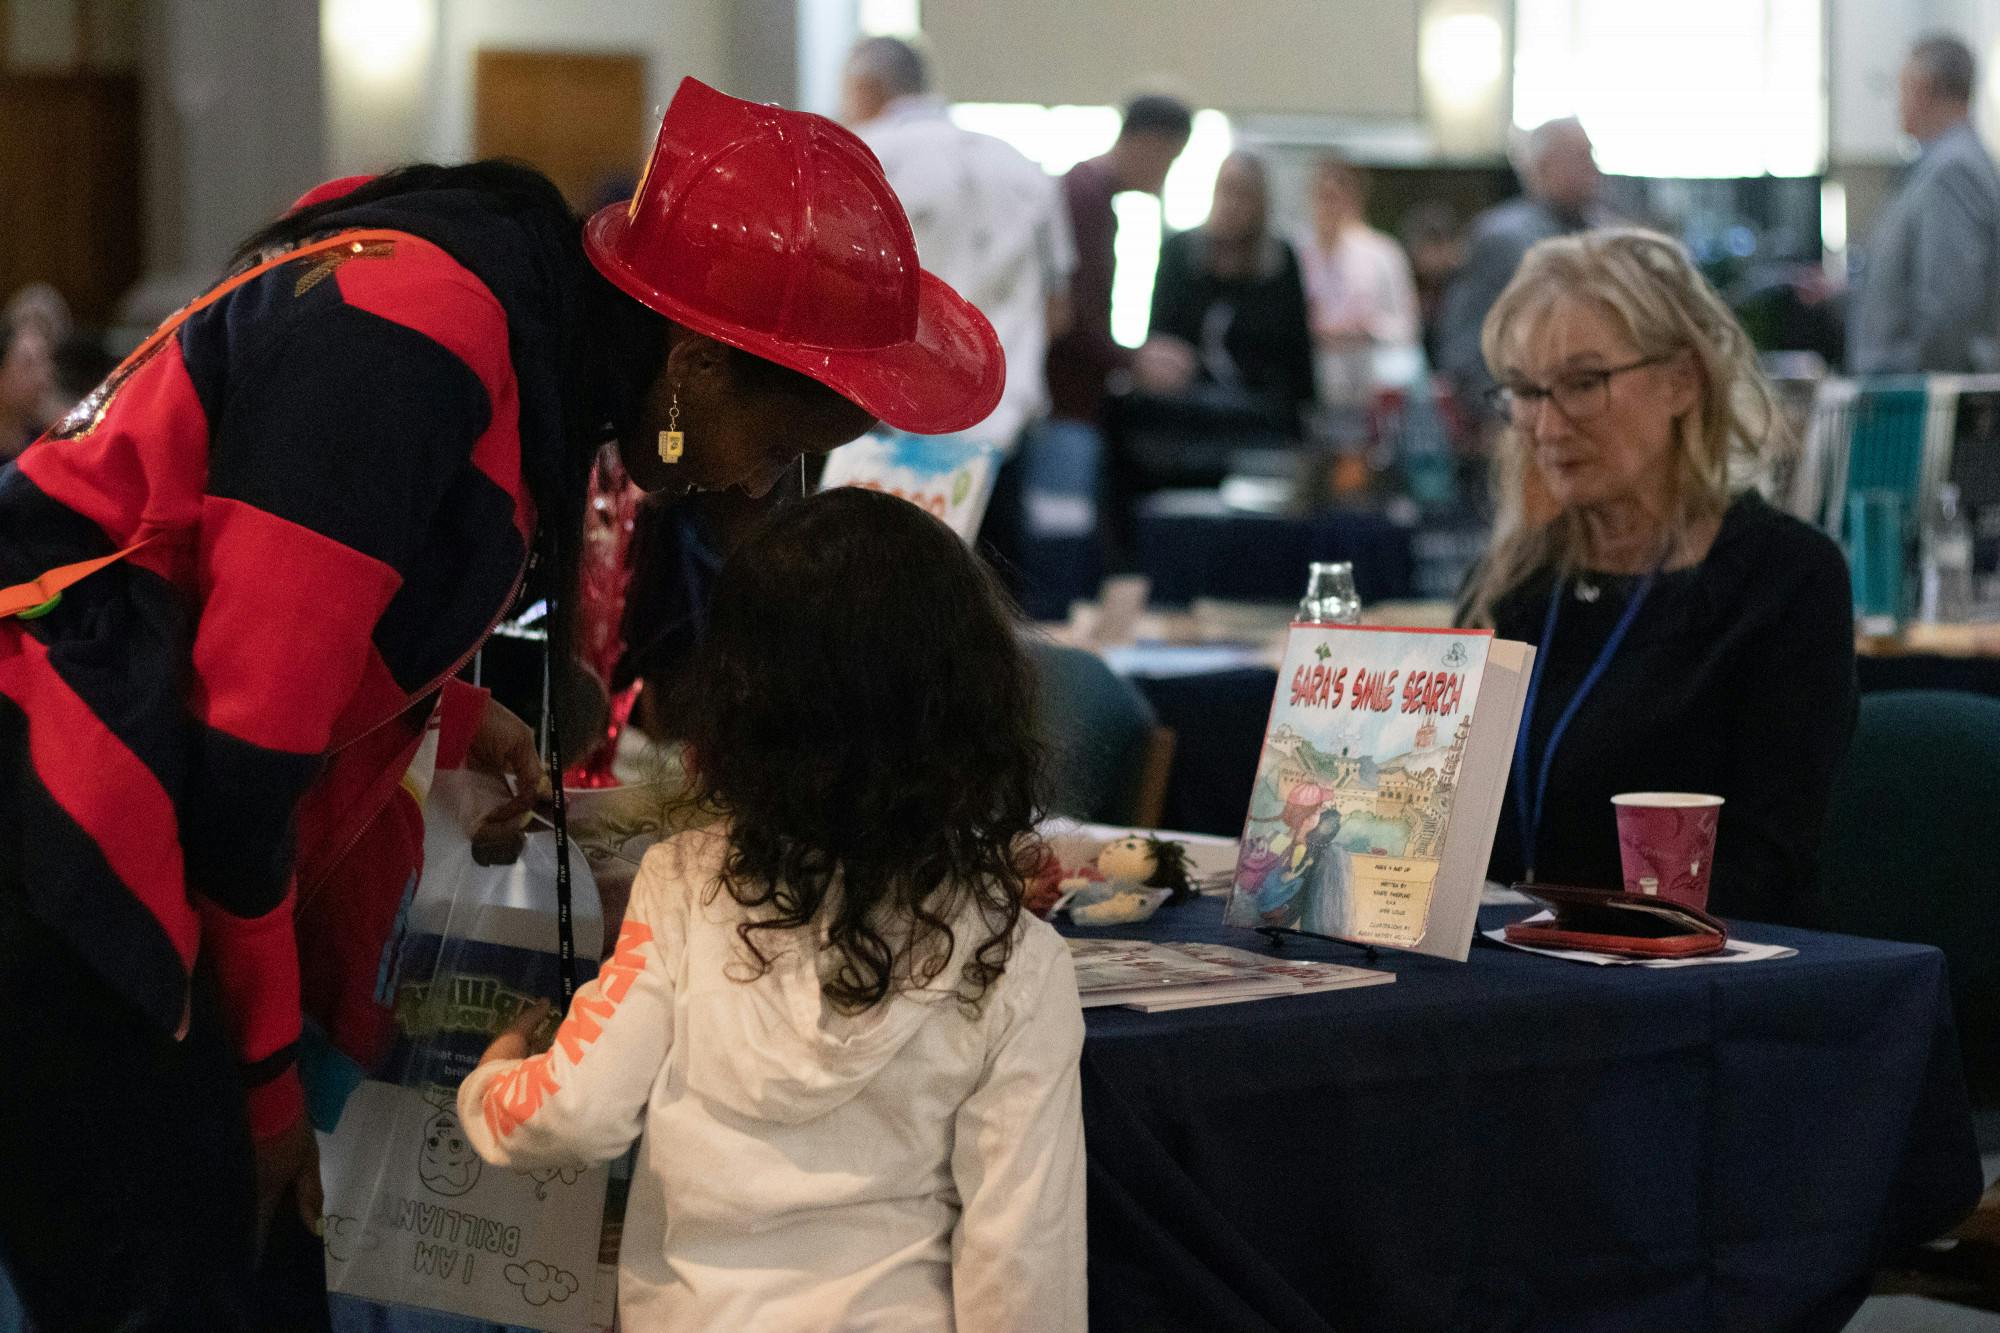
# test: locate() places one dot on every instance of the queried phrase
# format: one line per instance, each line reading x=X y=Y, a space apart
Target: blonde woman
x=1691 y=637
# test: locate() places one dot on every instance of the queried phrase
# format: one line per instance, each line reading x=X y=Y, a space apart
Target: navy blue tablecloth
x=1191 y=550
x=1218 y=720
x=1522 y=1143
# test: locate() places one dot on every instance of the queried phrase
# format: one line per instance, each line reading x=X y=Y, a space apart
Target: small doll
x=1150 y=862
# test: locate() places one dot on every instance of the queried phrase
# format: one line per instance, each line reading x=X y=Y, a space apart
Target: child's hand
x=516 y=1042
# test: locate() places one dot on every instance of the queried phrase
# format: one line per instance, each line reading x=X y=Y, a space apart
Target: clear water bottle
x=1946 y=585
x=1330 y=595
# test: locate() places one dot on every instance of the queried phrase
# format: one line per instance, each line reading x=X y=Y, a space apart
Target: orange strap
x=38 y=596
x=354 y=240
x=30 y=599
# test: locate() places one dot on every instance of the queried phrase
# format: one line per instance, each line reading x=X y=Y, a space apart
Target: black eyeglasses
x=1579 y=394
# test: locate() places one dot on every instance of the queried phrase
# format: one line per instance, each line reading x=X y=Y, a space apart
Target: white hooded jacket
x=911 y=1167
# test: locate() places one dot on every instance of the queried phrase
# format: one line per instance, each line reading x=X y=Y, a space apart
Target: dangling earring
x=672 y=442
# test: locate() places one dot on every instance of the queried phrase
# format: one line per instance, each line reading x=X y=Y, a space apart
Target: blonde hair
x=1648 y=286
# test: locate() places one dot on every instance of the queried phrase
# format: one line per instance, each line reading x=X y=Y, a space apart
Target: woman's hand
x=1351 y=331
x=1164 y=364
x=517 y=1042
x=289 y=1160
x=505 y=747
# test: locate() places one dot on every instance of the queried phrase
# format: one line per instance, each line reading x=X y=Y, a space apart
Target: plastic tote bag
x=413 y=1216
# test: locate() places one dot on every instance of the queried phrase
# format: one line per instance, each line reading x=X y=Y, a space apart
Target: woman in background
x=27 y=383
x=1359 y=291
x=1229 y=309
x=1691 y=637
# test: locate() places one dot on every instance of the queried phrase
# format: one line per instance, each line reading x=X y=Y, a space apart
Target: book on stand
x=949 y=476
x=1382 y=777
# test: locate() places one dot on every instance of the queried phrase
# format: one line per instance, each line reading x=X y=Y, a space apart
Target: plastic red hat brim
x=947 y=378
x=337 y=188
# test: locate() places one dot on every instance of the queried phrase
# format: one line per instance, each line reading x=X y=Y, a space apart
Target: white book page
x=1207 y=992
x=1168 y=1003
x=1482 y=797
x=1733 y=951
x=1309 y=975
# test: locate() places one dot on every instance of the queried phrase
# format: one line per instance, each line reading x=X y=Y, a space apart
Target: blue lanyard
x=1531 y=812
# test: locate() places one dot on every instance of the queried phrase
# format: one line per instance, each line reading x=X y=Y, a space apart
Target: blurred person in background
x=1229 y=307
x=1053 y=552
x=1928 y=295
x=1434 y=239
x=1560 y=185
x=1359 y=290
x=40 y=306
x=1083 y=360
x=987 y=220
x=81 y=364
x=1689 y=636
x=27 y=385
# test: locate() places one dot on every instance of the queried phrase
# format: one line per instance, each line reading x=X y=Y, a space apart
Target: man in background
x=1928 y=297
x=1560 y=184
x=1081 y=363
x=987 y=220
x=1055 y=552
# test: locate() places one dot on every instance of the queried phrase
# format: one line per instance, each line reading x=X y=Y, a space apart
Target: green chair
x=1910 y=851
x=1108 y=756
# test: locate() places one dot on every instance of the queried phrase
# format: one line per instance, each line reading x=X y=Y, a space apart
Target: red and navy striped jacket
x=327 y=467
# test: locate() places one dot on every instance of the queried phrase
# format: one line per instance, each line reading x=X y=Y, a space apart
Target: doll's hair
x=1170 y=868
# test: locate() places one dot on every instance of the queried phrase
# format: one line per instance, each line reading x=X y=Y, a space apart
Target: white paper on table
x=1155 y=977
x=1152 y=1000
x=1309 y=977
x=1733 y=951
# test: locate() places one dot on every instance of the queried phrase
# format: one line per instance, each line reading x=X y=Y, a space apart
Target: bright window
x=889 y=18
x=1696 y=88
x=1059 y=137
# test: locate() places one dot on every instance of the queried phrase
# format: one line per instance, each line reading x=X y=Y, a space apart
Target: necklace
x=1530 y=792
x=1588 y=586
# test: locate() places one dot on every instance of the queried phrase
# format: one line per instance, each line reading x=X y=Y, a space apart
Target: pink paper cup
x=1666 y=840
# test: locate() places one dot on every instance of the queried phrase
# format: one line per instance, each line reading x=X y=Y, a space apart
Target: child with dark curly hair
x=852 y=1057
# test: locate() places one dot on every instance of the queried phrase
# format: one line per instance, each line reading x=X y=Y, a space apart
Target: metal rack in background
x=1899 y=433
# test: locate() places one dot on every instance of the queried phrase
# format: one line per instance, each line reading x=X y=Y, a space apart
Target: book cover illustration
x=947 y=476
x=1356 y=783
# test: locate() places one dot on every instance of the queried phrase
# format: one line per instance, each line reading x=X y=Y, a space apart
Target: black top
x=1249 y=333
x=1736 y=679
